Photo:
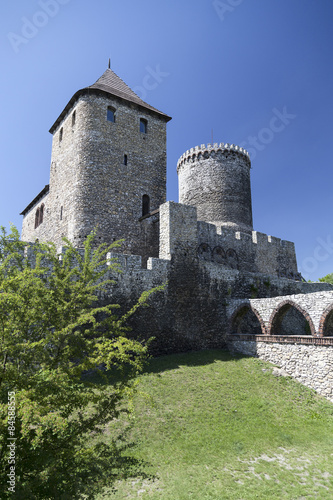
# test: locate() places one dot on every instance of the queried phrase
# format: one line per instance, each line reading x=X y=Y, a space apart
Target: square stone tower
x=108 y=168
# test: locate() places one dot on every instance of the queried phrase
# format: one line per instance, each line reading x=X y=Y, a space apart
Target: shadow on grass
x=192 y=358
x=169 y=362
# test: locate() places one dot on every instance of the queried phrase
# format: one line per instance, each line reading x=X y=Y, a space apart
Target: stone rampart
x=206 y=150
x=255 y=252
x=181 y=233
x=312 y=365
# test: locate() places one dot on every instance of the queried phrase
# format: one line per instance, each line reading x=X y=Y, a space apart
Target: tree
x=53 y=334
x=327 y=279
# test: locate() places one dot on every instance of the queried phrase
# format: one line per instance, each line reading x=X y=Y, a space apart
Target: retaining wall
x=311 y=364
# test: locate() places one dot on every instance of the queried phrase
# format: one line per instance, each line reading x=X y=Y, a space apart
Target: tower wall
x=90 y=184
x=109 y=193
x=216 y=180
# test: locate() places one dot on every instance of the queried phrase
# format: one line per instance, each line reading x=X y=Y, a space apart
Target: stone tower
x=216 y=180
x=108 y=168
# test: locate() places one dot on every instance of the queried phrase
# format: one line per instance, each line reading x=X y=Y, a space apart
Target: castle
x=108 y=170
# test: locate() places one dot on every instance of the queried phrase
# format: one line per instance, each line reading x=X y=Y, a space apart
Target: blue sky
x=228 y=66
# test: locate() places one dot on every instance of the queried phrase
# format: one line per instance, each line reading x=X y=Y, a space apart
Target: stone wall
x=313 y=301
x=216 y=180
x=250 y=252
x=312 y=365
x=90 y=184
x=41 y=232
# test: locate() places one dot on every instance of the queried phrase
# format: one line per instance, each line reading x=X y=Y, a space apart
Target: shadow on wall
x=287 y=319
x=247 y=321
x=326 y=322
x=291 y=320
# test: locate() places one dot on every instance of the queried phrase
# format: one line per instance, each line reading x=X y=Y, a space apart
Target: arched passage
x=246 y=320
x=290 y=319
x=326 y=322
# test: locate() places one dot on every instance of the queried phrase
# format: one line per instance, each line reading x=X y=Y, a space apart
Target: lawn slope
x=217 y=427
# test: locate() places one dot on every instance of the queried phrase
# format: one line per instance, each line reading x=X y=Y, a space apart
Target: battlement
x=184 y=237
x=125 y=262
x=254 y=252
x=206 y=151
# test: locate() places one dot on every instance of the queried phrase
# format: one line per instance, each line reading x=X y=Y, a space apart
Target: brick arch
x=323 y=319
x=251 y=308
x=296 y=306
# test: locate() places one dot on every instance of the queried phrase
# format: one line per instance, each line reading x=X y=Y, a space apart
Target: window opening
x=143 y=125
x=111 y=114
x=145 y=204
x=61 y=134
x=125 y=159
x=73 y=118
x=41 y=214
x=37 y=218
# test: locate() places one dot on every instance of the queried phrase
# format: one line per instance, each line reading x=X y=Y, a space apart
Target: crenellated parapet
x=127 y=270
x=206 y=151
x=255 y=252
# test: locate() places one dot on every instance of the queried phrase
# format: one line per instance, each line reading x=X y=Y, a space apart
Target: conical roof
x=112 y=84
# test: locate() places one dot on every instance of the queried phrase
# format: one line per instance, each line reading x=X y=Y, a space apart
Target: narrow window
x=37 y=218
x=111 y=114
x=41 y=214
x=145 y=205
x=125 y=159
x=61 y=212
x=73 y=118
x=60 y=134
x=143 y=125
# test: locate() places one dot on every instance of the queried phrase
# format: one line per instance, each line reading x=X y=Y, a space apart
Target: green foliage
x=327 y=279
x=53 y=333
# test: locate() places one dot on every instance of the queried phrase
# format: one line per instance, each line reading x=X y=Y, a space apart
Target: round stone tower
x=216 y=180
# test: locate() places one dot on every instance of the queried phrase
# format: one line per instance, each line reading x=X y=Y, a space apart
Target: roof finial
x=109 y=63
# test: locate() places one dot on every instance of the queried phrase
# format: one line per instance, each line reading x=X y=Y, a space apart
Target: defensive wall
x=294 y=332
x=203 y=306
x=204 y=300
x=225 y=284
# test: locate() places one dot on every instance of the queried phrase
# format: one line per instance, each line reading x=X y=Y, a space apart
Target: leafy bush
x=53 y=332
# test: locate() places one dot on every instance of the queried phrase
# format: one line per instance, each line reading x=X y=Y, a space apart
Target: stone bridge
x=300 y=315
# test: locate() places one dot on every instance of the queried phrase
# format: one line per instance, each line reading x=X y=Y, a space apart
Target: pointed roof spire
x=109 y=64
x=109 y=83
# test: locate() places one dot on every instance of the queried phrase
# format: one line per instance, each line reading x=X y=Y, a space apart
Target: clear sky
x=256 y=73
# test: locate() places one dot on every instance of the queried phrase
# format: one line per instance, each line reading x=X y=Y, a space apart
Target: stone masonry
x=225 y=284
x=102 y=169
x=312 y=365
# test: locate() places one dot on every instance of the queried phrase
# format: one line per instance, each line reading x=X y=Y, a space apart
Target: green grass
x=213 y=426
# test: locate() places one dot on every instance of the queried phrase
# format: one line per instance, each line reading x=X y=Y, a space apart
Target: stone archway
x=246 y=320
x=288 y=318
x=326 y=322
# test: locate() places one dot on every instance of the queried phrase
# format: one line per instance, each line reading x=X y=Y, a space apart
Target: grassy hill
x=215 y=427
